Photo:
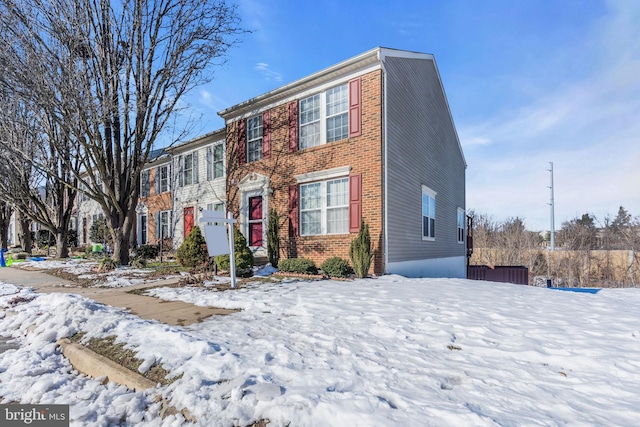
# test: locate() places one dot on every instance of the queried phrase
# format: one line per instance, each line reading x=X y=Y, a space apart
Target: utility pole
x=552 y=231
x=553 y=227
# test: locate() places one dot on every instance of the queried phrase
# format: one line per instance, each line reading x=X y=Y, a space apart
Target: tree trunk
x=24 y=235
x=62 y=249
x=5 y=220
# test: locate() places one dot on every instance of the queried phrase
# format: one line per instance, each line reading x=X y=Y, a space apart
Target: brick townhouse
x=369 y=139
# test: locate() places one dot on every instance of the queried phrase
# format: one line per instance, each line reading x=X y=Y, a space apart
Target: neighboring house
x=155 y=200
x=87 y=211
x=199 y=181
x=370 y=138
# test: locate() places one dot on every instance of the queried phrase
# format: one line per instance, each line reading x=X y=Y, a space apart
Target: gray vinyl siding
x=422 y=150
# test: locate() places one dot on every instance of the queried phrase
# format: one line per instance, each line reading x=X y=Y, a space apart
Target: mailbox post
x=218 y=234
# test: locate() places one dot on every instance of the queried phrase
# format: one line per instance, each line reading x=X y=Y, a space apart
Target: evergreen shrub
x=193 y=251
x=336 y=267
x=298 y=265
x=273 y=240
x=244 y=256
x=360 y=251
x=146 y=251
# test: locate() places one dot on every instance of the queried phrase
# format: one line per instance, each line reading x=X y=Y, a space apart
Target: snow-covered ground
x=389 y=351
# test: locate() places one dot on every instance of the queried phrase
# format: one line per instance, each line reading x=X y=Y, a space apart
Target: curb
x=90 y=363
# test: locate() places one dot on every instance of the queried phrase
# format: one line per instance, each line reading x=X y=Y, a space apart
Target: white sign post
x=218 y=234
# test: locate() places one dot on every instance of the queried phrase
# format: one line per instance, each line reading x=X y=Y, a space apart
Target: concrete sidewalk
x=169 y=312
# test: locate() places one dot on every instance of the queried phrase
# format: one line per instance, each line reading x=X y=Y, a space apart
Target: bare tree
x=6 y=210
x=37 y=167
x=114 y=73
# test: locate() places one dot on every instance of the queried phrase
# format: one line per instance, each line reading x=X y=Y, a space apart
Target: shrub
x=108 y=264
x=336 y=267
x=298 y=265
x=99 y=232
x=138 y=262
x=244 y=256
x=193 y=251
x=273 y=240
x=360 y=251
x=72 y=237
x=146 y=251
x=45 y=239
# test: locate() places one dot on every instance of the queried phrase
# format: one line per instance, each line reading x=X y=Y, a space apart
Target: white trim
x=432 y=195
x=458 y=212
x=428 y=191
x=323 y=175
x=253 y=181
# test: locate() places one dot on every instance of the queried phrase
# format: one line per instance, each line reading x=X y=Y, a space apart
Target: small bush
x=108 y=264
x=193 y=251
x=244 y=256
x=45 y=239
x=138 y=262
x=146 y=251
x=298 y=265
x=336 y=267
x=360 y=251
x=273 y=239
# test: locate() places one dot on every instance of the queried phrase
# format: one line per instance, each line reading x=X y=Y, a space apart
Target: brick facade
x=362 y=153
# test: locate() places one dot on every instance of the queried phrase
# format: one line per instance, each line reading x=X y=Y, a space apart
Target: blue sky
x=528 y=82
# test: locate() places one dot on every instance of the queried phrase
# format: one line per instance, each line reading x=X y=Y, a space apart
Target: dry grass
x=108 y=348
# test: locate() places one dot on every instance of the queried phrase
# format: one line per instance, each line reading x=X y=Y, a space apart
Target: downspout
x=385 y=210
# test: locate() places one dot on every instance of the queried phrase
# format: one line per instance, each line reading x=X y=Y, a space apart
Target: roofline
x=360 y=61
x=198 y=140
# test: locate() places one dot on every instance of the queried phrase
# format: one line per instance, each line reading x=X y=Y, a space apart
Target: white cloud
x=590 y=129
x=268 y=73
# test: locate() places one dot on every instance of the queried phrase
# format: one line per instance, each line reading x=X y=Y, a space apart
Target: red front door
x=255 y=221
x=188 y=220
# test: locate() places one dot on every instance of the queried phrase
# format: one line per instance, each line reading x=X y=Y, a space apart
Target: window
x=324 y=207
x=254 y=138
x=144 y=183
x=310 y=122
x=163 y=220
x=332 y=121
x=428 y=214
x=337 y=113
x=218 y=207
x=162 y=177
x=215 y=159
x=188 y=169
x=143 y=230
x=460 y=225
x=82 y=195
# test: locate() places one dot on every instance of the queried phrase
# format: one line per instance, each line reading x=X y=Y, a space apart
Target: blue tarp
x=582 y=290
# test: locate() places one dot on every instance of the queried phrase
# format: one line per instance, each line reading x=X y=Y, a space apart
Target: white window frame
x=164 y=220
x=324 y=208
x=213 y=160
x=321 y=137
x=163 y=182
x=145 y=187
x=309 y=112
x=343 y=91
x=254 y=138
x=187 y=173
x=460 y=225
x=143 y=223
x=216 y=206
x=430 y=214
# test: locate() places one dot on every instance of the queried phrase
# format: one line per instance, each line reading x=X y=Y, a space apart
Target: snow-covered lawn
x=389 y=351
